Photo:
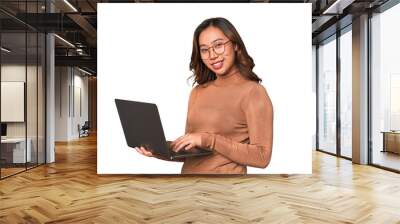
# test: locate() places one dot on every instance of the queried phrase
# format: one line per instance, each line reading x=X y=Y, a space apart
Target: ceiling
x=76 y=22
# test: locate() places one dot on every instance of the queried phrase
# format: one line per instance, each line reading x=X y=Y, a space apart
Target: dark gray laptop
x=142 y=127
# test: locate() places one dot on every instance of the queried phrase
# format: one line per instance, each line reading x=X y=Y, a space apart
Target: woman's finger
x=189 y=146
x=140 y=151
x=146 y=152
x=149 y=153
x=137 y=150
x=177 y=140
x=182 y=145
x=143 y=150
x=186 y=140
x=178 y=146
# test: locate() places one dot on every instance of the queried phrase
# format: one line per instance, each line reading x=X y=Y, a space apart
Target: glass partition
x=22 y=67
x=13 y=109
x=327 y=96
x=346 y=93
x=385 y=89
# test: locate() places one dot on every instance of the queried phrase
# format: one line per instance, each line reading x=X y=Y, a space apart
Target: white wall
x=80 y=84
x=61 y=103
x=70 y=83
x=16 y=73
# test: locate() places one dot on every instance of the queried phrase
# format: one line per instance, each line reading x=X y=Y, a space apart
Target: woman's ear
x=236 y=47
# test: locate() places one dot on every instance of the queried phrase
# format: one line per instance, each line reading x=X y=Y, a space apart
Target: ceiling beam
x=84 y=24
x=337 y=6
x=85 y=61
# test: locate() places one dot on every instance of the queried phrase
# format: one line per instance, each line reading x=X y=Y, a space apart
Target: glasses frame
x=213 y=47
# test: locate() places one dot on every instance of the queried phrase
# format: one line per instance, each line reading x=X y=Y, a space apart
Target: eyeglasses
x=218 y=48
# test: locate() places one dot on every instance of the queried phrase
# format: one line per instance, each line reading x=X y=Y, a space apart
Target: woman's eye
x=203 y=51
x=218 y=45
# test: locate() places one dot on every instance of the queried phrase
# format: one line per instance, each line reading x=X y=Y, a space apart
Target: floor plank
x=70 y=191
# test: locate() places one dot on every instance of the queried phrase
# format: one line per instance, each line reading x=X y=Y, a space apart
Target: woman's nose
x=212 y=54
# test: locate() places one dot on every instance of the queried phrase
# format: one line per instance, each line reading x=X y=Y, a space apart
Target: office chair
x=84 y=130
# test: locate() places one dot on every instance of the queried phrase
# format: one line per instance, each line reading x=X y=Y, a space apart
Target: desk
x=13 y=150
x=391 y=141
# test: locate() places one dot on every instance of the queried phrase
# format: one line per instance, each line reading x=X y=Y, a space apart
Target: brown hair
x=243 y=60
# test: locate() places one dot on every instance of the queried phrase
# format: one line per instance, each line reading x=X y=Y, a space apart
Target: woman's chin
x=220 y=72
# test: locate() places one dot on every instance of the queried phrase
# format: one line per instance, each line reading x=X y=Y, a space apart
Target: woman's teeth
x=217 y=65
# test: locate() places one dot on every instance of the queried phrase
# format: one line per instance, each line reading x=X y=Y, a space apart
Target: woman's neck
x=230 y=78
x=234 y=70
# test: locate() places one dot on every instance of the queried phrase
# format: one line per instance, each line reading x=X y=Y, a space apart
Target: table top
x=14 y=140
x=390 y=132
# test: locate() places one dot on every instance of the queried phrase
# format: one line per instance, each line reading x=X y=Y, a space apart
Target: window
x=385 y=88
x=346 y=93
x=327 y=96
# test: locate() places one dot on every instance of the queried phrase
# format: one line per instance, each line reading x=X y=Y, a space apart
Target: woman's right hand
x=142 y=150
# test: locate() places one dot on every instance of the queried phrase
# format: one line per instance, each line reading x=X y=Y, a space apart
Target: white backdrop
x=144 y=53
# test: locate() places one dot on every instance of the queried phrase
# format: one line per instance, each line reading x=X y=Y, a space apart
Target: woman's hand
x=187 y=142
x=146 y=152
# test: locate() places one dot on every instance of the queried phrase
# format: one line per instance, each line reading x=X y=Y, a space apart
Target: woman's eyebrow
x=211 y=42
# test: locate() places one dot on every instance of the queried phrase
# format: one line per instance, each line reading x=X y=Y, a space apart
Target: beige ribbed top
x=235 y=116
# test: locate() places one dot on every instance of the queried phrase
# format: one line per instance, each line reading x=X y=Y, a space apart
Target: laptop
x=142 y=126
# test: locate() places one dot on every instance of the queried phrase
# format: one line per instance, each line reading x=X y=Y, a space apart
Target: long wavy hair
x=243 y=61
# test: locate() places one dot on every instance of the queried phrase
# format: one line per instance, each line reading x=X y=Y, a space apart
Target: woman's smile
x=218 y=64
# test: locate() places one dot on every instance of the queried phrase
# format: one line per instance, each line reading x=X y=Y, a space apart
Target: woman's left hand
x=187 y=142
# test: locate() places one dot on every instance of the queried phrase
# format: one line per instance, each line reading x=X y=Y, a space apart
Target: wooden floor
x=70 y=191
x=5 y=172
x=8 y=171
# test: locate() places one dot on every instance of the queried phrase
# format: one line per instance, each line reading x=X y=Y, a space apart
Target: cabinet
x=391 y=141
x=13 y=151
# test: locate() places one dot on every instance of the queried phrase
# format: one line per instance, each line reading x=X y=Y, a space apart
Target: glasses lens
x=219 y=48
x=204 y=53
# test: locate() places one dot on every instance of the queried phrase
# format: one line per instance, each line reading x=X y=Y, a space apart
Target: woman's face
x=221 y=59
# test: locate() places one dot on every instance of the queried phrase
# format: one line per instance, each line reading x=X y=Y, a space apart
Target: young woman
x=229 y=111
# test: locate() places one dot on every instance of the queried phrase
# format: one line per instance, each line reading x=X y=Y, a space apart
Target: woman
x=229 y=111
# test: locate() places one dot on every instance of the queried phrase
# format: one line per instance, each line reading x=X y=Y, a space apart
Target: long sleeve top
x=235 y=118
